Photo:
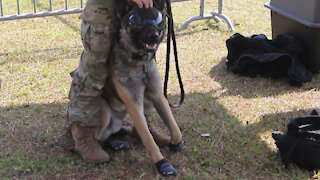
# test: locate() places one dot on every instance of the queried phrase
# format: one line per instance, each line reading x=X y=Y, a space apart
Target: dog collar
x=130 y=72
x=146 y=62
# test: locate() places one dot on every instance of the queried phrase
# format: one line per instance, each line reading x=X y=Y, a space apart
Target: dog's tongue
x=151 y=46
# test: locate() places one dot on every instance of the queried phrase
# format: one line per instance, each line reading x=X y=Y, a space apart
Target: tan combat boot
x=87 y=145
x=160 y=136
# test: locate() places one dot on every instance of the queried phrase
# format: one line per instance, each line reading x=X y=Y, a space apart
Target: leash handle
x=173 y=37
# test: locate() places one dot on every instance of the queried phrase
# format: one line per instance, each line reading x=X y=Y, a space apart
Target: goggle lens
x=136 y=19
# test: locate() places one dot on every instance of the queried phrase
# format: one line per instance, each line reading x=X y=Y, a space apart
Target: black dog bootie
x=176 y=147
x=165 y=168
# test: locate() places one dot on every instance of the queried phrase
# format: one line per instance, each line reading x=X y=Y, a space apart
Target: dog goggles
x=136 y=19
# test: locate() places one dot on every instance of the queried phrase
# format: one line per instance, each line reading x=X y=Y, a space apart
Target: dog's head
x=142 y=30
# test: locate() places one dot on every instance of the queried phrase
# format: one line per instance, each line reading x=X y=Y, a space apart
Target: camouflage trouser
x=88 y=79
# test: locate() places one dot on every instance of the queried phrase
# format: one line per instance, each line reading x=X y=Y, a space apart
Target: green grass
x=239 y=113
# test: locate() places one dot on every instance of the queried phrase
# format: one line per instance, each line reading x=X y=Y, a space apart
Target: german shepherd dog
x=134 y=79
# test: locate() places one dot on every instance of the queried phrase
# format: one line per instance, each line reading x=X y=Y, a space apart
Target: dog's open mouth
x=150 y=46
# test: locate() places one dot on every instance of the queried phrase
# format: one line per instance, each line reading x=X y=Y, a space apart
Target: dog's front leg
x=155 y=94
x=162 y=106
x=134 y=107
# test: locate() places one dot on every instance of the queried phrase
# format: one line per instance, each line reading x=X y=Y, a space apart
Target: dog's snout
x=153 y=34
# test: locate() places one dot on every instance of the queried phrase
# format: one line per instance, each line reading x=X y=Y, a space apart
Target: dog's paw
x=176 y=147
x=165 y=168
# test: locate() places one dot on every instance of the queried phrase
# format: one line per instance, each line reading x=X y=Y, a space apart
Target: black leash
x=171 y=32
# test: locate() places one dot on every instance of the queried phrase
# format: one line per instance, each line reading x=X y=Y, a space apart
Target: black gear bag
x=301 y=143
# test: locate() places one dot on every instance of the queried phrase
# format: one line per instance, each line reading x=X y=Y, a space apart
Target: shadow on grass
x=235 y=149
x=33 y=139
x=34 y=144
x=252 y=87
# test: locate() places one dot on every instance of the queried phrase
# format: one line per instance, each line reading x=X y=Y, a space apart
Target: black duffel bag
x=301 y=143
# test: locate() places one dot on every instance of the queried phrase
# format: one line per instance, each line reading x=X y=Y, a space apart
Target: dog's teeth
x=151 y=46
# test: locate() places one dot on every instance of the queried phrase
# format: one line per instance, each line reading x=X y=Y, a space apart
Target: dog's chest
x=134 y=73
x=129 y=66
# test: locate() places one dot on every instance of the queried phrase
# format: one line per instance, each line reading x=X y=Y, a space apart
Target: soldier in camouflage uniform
x=99 y=27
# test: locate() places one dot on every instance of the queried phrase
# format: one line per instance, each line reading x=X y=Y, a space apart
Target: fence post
x=35 y=6
x=66 y=4
x=18 y=7
x=50 y=5
x=1 y=8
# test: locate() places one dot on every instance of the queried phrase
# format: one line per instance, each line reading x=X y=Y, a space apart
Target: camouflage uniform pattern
x=99 y=25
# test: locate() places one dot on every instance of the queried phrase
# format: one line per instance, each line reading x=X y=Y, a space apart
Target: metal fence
x=50 y=12
x=216 y=15
x=213 y=15
x=35 y=12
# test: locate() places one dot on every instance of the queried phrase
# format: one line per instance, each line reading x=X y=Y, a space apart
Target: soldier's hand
x=143 y=3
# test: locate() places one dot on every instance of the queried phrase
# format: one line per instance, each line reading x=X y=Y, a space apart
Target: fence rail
x=214 y=15
x=35 y=13
x=50 y=12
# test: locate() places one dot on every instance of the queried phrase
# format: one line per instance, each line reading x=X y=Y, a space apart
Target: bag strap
x=301 y=127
